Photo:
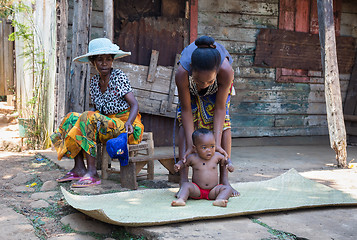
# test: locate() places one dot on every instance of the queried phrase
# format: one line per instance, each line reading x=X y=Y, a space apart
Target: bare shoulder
x=225 y=74
x=192 y=158
x=181 y=77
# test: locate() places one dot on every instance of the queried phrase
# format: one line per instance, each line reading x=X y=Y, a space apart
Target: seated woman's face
x=103 y=63
x=204 y=79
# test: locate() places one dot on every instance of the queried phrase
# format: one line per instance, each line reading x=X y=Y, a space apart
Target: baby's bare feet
x=235 y=193
x=220 y=203
x=178 y=202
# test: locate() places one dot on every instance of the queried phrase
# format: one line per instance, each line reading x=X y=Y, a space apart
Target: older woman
x=204 y=82
x=117 y=111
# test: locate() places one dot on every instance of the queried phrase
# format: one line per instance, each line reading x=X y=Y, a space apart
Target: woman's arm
x=134 y=109
x=224 y=77
x=181 y=78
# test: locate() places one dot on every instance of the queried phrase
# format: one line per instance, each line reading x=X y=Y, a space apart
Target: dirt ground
x=33 y=207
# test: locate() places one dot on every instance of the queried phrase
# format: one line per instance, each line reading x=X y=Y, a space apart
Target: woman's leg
x=79 y=166
x=91 y=177
x=227 y=146
x=91 y=167
x=182 y=151
x=78 y=171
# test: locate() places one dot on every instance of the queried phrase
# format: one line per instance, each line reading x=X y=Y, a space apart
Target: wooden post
x=61 y=80
x=193 y=20
x=108 y=11
x=79 y=76
x=173 y=85
x=153 y=65
x=335 y=120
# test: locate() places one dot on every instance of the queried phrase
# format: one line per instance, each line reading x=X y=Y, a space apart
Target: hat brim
x=85 y=58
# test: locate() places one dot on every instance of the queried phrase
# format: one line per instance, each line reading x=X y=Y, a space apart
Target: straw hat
x=100 y=46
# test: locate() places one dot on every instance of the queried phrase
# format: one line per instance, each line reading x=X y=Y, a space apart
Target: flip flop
x=86 y=182
x=68 y=177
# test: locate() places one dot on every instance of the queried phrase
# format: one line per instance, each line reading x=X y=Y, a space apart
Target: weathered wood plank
x=350 y=118
x=278 y=131
x=237 y=20
x=302 y=20
x=173 y=88
x=245 y=60
x=336 y=126
x=96 y=32
x=108 y=13
x=267 y=84
x=151 y=103
x=229 y=33
x=152 y=66
x=97 y=5
x=253 y=72
x=348 y=24
x=61 y=75
x=287 y=15
x=297 y=50
x=270 y=8
x=7 y=82
x=234 y=47
x=349 y=6
x=97 y=18
x=80 y=73
x=137 y=75
x=277 y=108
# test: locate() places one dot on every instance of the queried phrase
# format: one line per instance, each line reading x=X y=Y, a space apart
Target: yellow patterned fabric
x=83 y=131
x=203 y=111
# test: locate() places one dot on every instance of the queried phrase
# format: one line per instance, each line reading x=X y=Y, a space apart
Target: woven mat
x=152 y=206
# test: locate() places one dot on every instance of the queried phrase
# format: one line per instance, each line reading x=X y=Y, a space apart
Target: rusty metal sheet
x=162 y=34
x=298 y=50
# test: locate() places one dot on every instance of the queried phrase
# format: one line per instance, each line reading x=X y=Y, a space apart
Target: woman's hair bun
x=205 y=42
x=205 y=56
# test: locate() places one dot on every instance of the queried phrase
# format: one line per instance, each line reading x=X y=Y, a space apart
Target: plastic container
x=25 y=127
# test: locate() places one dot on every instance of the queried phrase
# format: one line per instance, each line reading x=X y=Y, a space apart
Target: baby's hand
x=230 y=167
x=177 y=167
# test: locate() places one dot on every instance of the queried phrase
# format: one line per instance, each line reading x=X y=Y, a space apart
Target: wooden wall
x=154 y=98
x=262 y=106
x=7 y=86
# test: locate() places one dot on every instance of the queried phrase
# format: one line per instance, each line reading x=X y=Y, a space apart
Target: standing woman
x=204 y=81
x=117 y=111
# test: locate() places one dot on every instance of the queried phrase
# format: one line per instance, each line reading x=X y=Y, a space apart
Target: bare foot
x=220 y=203
x=235 y=193
x=178 y=202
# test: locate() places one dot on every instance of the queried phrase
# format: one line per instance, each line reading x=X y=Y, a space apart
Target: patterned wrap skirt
x=203 y=111
x=83 y=131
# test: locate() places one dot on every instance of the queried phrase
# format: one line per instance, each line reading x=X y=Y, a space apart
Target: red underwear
x=204 y=193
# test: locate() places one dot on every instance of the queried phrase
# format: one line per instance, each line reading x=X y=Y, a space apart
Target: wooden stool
x=128 y=173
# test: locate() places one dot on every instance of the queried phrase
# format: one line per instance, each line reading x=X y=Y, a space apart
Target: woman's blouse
x=112 y=100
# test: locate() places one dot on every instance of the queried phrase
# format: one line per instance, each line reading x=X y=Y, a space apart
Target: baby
x=204 y=163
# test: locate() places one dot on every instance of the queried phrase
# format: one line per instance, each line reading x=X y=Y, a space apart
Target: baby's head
x=204 y=143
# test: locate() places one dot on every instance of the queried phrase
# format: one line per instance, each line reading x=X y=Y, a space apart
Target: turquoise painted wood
x=261 y=106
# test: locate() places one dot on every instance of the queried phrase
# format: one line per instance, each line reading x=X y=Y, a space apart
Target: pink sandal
x=86 y=182
x=68 y=177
